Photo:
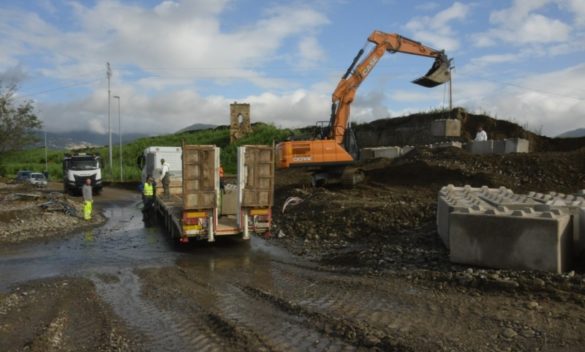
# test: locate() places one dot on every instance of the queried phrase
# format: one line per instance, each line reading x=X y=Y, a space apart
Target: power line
x=61 y=87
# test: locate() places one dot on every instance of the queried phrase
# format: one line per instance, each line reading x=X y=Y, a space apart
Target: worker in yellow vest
x=87 y=192
x=147 y=198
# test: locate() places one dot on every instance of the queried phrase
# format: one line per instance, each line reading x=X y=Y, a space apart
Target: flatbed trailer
x=200 y=210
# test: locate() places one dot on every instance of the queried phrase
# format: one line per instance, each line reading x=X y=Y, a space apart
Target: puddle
x=123 y=243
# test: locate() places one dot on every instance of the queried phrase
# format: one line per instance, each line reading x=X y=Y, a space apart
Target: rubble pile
x=27 y=214
x=388 y=222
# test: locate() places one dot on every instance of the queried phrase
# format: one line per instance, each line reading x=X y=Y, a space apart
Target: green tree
x=17 y=121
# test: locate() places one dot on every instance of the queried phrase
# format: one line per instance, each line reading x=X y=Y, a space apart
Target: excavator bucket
x=438 y=74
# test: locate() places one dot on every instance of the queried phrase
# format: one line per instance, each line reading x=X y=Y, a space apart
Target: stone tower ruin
x=239 y=121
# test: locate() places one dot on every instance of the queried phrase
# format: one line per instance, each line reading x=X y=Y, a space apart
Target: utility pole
x=109 y=74
x=46 y=154
x=451 y=89
x=120 y=135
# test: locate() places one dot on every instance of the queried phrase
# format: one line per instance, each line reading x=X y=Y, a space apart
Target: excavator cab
x=439 y=73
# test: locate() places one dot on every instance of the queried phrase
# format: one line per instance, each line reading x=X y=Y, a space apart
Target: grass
x=34 y=159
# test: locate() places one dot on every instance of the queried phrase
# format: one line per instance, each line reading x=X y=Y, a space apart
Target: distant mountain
x=196 y=127
x=579 y=132
x=81 y=139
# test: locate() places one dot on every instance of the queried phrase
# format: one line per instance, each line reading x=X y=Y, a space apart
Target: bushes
x=34 y=159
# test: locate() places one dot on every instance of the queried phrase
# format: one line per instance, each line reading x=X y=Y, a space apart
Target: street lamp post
x=120 y=135
x=109 y=74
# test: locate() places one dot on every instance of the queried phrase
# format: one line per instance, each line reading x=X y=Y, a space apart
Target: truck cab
x=79 y=167
x=149 y=162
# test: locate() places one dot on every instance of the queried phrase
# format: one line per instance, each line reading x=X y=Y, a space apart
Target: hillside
x=196 y=127
x=34 y=159
x=576 y=133
x=407 y=130
x=415 y=130
x=79 y=139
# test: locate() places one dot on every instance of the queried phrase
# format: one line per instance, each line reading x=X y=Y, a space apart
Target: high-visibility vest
x=220 y=171
x=148 y=190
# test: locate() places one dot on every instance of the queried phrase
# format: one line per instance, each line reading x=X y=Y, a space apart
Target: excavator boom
x=346 y=89
x=336 y=148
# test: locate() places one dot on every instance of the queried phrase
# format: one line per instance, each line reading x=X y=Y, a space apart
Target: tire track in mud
x=165 y=330
x=391 y=309
x=395 y=314
x=278 y=329
x=248 y=322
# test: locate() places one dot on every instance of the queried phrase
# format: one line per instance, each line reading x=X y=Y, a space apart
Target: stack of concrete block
x=450 y=198
x=504 y=146
x=481 y=147
x=407 y=149
x=452 y=144
x=499 y=146
x=516 y=145
x=574 y=204
x=496 y=227
x=446 y=128
x=380 y=152
x=511 y=239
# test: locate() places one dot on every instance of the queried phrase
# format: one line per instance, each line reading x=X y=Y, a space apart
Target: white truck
x=79 y=167
x=150 y=161
x=199 y=209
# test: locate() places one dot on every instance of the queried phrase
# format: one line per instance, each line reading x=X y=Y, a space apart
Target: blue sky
x=176 y=63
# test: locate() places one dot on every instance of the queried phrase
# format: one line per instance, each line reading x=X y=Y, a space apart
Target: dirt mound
x=540 y=172
x=415 y=129
x=393 y=213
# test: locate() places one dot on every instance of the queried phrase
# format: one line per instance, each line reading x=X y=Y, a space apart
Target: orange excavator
x=333 y=152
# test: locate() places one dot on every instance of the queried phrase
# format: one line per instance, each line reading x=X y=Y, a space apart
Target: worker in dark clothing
x=166 y=178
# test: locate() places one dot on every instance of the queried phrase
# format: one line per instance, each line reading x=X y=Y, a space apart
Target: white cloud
x=172 y=35
x=477 y=65
x=436 y=30
x=176 y=46
x=310 y=52
x=577 y=7
x=554 y=101
x=520 y=24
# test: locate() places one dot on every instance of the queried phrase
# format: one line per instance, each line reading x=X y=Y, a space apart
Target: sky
x=176 y=63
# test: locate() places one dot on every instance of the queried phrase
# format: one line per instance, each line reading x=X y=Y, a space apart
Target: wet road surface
x=235 y=295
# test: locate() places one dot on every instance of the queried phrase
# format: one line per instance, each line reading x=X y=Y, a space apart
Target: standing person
x=166 y=178
x=87 y=192
x=147 y=198
x=481 y=135
x=221 y=181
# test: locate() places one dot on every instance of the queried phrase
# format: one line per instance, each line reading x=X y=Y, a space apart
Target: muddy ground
x=29 y=213
x=345 y=269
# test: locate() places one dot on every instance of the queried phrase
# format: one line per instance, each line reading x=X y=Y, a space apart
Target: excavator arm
x=347 y=87
x=331 y=155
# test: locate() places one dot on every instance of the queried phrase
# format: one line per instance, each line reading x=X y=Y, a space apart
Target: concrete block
x=453 y=144
x=446 y=128
x=229 y=202
x=481 y=147
x=499 y=147
x=451 y=198
x=576 y=208
x=516 y=145
x=381 y=152
x=511 y=239
x=407 y=149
